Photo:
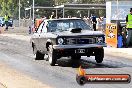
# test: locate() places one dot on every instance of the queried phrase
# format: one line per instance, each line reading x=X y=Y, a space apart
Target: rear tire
x=99 y=55
x=39 y=56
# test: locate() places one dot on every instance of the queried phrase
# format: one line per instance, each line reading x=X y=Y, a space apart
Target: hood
x=82 y=33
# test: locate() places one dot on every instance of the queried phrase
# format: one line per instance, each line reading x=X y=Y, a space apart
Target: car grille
x=80 y=41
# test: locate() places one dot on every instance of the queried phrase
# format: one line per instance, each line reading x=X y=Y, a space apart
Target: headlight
x=99 y=40
x=60 y=41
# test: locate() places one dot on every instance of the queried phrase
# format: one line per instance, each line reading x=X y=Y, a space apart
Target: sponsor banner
x=111 y=35
x=83 y=78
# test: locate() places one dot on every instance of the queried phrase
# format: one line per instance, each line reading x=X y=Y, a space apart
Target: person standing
x=129 y=27
x=94 y=22
x=6 y=19
x=52 y=15
x=99 y=24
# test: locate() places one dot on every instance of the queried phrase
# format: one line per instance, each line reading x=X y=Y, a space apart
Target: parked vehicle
x=2 y=22
x=10 y=22
x=67 y=37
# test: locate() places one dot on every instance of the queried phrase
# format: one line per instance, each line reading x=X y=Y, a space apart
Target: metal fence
x=23 y=23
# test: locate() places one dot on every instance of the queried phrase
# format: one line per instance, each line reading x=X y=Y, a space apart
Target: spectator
x=85 y=19
x=52 y=15
x=103 y=24
x=94 y=22
x=89 y=21
x=99 y=24
x=129 y=27
x=6 y=19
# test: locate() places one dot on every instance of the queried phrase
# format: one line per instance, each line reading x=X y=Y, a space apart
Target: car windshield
x=65 y=25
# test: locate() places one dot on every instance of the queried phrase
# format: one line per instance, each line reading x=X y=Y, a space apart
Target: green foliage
x=59 y=2
x=11 y=7
x=44 y=2
x=7 y=7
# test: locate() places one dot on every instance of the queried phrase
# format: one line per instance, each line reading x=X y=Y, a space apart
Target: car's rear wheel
x=99 y=55
x=39 y=56
x=51 y=56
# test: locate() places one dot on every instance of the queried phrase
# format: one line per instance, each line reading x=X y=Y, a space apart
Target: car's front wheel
x=39 y=56
x=99 y=55
x=51 y=56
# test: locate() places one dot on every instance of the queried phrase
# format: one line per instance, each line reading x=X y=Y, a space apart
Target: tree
x=8 y=7
x=11 y=7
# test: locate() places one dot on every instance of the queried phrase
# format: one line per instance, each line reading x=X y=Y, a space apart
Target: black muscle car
x=67 y=37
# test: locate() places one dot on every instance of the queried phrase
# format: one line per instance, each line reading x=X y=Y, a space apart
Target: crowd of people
x=98 y=24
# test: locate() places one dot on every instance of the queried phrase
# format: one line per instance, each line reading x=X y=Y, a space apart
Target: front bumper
x=78 y=46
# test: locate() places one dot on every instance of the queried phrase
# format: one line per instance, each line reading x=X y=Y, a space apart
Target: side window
x=51 y=26
x=40 y=29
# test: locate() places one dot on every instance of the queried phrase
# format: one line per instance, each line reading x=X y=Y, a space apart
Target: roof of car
x=64 y=19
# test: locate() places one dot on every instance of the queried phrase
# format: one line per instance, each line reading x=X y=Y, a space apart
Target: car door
x=37 y=36
x=42 y=38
